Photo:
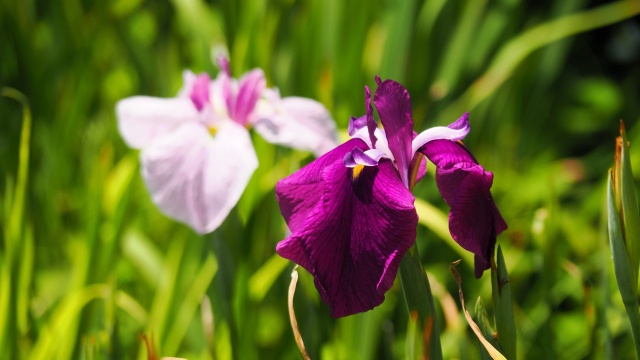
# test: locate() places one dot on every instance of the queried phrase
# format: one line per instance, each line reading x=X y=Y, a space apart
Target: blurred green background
x=88 y=263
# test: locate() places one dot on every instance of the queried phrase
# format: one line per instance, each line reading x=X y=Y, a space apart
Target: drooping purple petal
x=394 y=107
x=250 y=87
x=295 y=122
x=354 y=238
x=142 y=119
x=455 y=131
x=196 y=178
x=299 y=193
x=474 y=219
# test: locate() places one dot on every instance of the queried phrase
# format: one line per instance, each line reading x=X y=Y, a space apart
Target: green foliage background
x=92 y=264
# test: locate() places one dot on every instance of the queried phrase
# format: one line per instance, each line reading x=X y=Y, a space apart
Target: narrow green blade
x=503 y=305
x=622 y=266
x=629 y=203
x=417 y=292
x=485 y=326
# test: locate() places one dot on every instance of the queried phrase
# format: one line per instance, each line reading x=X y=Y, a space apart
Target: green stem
x=634 y=318
x=417 y=293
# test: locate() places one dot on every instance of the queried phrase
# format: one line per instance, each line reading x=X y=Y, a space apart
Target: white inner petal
x=438 y=133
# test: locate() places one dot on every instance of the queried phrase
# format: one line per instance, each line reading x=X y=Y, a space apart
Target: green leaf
x=400 y=30
x=485 y=326
x=629 y=207
x=622 y=265
x=263 y=279
x=503 y=307
x=417 y=292
x=190 y=305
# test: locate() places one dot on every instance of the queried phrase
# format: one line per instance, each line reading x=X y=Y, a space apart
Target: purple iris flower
x=351 y=211
x=197 y=156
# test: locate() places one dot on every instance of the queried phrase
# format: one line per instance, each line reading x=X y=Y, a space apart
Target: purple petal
x=371 y=122
x=353 y=240
x=474 y=219
x=250 y=88
x=299 y=193
x=356 y=124
x=394 y=107
x=445 y=154
x=199 y=94
x=196 y=178
x=461 y=123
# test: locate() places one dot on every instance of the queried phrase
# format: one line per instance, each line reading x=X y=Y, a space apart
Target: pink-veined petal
x=196 y=178
x=142 y=119
x=299 y=123
x=250 y=87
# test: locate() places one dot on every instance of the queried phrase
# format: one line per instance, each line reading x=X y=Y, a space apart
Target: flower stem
x=417 y=293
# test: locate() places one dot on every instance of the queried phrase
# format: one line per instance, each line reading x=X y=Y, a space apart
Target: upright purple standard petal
x=250 y=87
x=354 y=238
x=474 y=219
x=371 y=122
x=394 y=107
x=200 y=91
x=356 y=124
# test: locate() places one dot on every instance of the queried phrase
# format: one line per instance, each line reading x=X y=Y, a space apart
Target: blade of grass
x=190 y=305
x=166 y=288
x=130 y=306
x=417 y=293
x=503 y=307
x=622 y=266
x=485 y=327
x=516 y=50
x=16 y=277
x=262 y=280
x=400 y=29
x=453 y=64
x=628 y=203
x=55 y=330
x=16 y=217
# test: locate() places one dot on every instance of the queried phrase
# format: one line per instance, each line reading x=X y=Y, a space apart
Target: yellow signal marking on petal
x=356 y=171
x=213 y=130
